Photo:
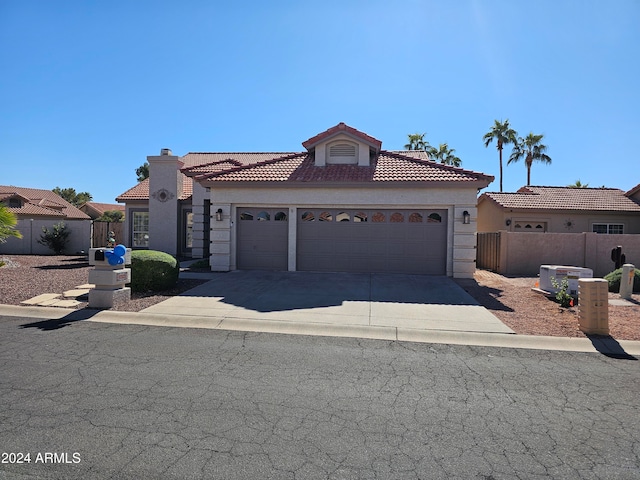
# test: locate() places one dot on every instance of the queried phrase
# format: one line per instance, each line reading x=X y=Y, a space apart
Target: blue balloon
x=120 y=250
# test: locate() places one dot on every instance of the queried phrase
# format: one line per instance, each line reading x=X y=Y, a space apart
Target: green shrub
x=614 y=280
x=153 y=271
x=56 y=238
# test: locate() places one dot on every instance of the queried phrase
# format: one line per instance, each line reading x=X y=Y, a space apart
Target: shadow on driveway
x=279 y=291
x=58 y=323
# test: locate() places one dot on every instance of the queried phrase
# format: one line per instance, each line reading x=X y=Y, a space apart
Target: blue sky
x=90 y=88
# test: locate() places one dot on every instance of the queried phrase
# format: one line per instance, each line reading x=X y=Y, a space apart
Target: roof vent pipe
x=165 y=152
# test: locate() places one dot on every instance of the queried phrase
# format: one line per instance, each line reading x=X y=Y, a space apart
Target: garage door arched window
x=378 y=217
x=246 y=216
x=360 y=217
x=264 y=216
x=343 y=217
x=415 y=217
x=397 y=217
x=280 y=217
x=308 y=217
x=325 y=217
x=435 y=218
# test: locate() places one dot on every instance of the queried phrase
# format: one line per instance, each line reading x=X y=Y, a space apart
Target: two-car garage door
x=345 y=240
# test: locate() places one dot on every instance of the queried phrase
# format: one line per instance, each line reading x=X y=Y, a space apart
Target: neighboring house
x=341 y=205
x=561 y=210
x=95 y=210
x=37 y=208
x=518 y=232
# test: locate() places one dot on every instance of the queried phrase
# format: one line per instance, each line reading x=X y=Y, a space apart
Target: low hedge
x=153 y=271
x=614 y=280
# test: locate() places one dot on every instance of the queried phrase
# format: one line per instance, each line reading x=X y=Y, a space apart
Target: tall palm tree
x=417 y=142
x=8 y=222
x=445 y=155
x=532 y=150
x=503 y=134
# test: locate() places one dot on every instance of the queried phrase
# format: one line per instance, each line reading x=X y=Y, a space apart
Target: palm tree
x=8 y=222
x=445 y=155
x=503 y=134
x=578 y=184
x=532 y=150
x=417 y=142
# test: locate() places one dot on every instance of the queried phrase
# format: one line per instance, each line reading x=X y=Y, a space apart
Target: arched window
x=246 y=216
x=360 y=217
x=397 y=217
x=280 y=217
x=343 y=217
x=378 y=217
x=435 y=218
x=325 y=217
x=264 y=216
x=308 y=217
x=415 y=217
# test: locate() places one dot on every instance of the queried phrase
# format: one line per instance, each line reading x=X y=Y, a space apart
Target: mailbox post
x=109 y=276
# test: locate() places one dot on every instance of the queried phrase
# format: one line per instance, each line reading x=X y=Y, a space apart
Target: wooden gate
x=488 y=252
x=100 y=233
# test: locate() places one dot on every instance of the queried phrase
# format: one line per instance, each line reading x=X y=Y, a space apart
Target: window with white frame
x=140 y=229
x=610 y=228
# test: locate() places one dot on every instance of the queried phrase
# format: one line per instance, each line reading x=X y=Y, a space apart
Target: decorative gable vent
x=342 y=150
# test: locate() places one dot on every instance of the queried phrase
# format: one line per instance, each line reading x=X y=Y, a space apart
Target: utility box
x=560 y=272
x=593 y=306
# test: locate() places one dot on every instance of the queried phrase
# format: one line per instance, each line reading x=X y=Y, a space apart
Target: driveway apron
x=417 y=302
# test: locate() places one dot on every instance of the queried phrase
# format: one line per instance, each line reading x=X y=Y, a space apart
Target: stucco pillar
x=464 y=242
x=165 y=187
x=220 y=260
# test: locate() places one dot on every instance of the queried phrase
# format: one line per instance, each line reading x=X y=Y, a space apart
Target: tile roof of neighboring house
x=141 y=191
x=564 y=198
x=341 y=128
x=95 y=209
x=386 y=167
x=37 y=202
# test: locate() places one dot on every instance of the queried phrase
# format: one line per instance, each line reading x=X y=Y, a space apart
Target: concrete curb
x=605 y=345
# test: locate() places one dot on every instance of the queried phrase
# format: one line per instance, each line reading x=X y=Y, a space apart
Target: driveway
x=372 y=301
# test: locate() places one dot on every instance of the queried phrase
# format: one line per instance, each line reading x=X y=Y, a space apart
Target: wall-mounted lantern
x=219 y=215
x=507 y=222
x=466 y=217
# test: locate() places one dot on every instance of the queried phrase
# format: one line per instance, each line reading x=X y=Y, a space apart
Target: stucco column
x=464 y=242
x=220 y=260
x=165 y=186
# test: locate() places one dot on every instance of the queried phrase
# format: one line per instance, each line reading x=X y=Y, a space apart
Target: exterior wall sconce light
x=466 y=217
x=219 y=215
x=507 y=222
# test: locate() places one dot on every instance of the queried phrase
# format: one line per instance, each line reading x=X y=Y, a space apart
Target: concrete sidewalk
x=384 y=307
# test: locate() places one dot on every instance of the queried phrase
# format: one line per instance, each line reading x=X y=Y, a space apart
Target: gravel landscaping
x=510 y=299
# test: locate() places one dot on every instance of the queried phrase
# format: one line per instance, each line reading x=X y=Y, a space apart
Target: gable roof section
x=564 y=198
x=386 y=167
x=98 y=209
x=633 y=191
x=342 y=128
x=140 y=192
x=38 y=202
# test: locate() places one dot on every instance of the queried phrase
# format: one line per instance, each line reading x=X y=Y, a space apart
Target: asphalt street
x=106 y=401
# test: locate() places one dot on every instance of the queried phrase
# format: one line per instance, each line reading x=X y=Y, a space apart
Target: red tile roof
x=564 y=198
x=386 y=167
x=37 y=202
x=141 y=191
x=98 y=209
x=342 y=128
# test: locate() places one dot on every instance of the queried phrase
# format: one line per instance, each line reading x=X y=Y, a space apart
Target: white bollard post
x=626 y=281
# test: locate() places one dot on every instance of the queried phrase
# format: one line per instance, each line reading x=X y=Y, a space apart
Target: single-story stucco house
x=343 y=204
x=561 y=210
x=36 y=208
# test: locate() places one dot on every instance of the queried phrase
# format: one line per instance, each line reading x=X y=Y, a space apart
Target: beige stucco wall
x=460 y=237
x=523 y=253
x=492 y=218
x=79 y=240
